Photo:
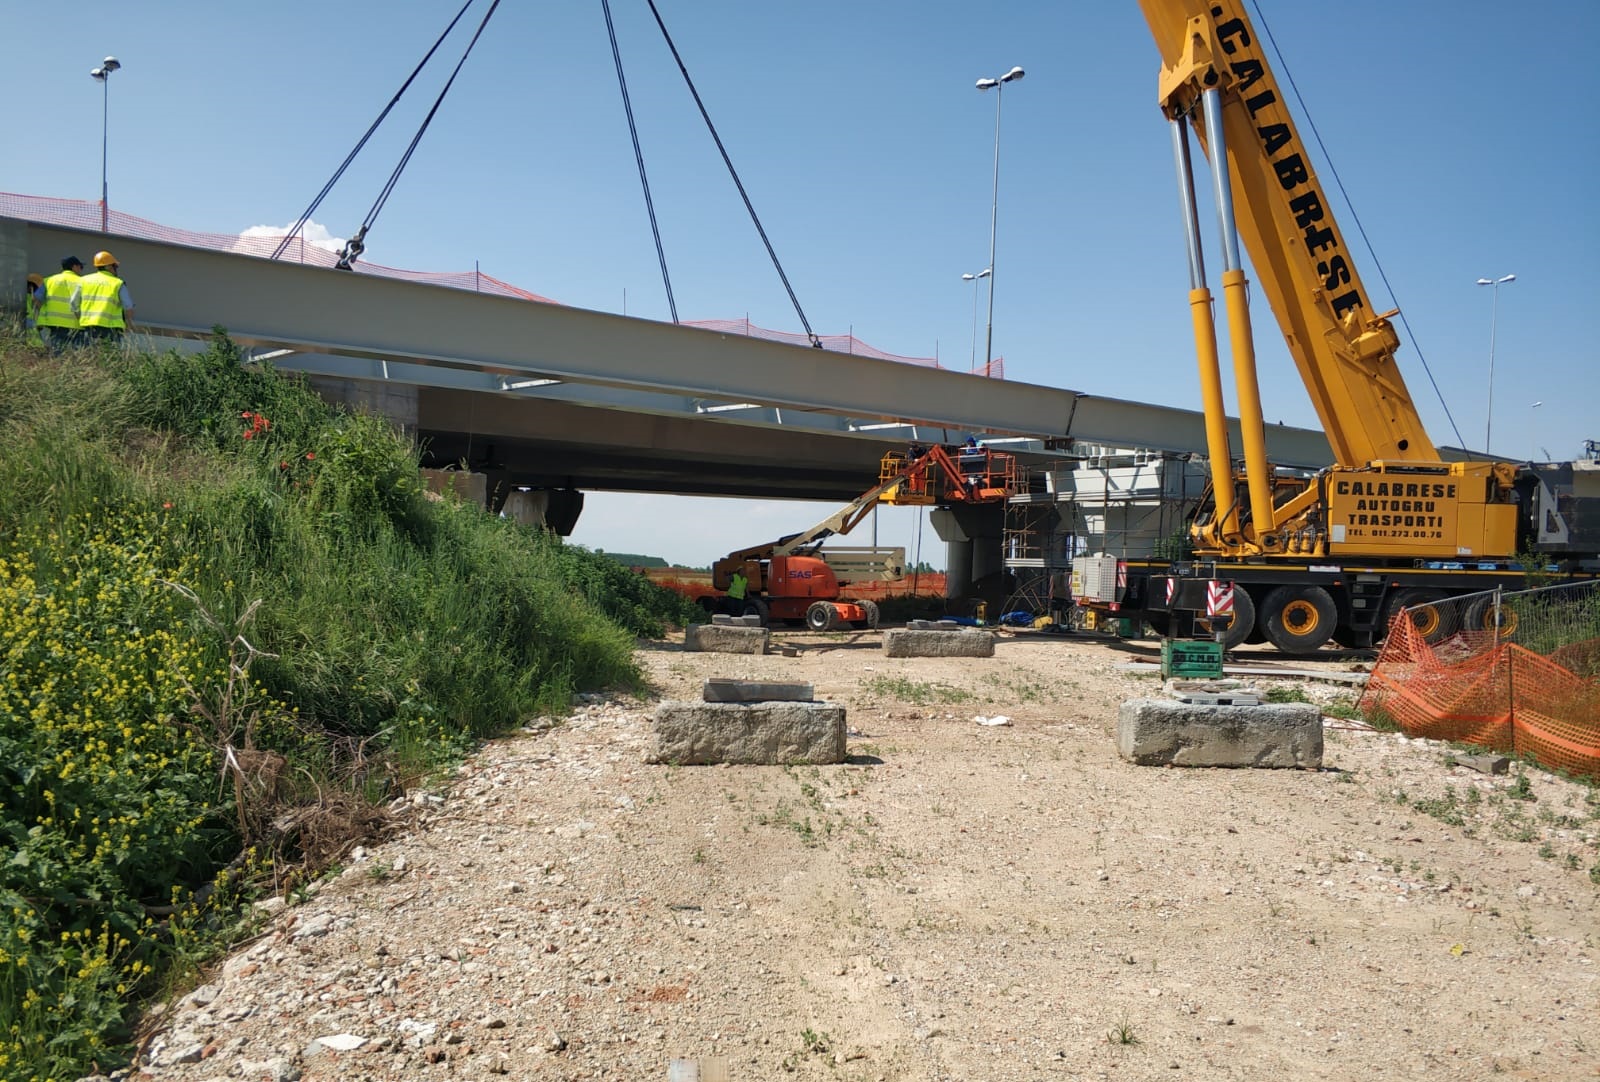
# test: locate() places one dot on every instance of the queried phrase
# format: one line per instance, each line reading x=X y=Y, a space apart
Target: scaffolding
x=1130 y=504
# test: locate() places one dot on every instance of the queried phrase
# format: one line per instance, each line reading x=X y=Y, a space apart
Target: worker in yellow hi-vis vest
x=58 y=323
x=101 y=302
x=32 y=305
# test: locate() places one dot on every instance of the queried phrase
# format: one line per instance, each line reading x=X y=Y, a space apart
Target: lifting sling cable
x=638 y=155
x=815 y=341
x=328 y=187
x=354 y=246
x=1289 y=77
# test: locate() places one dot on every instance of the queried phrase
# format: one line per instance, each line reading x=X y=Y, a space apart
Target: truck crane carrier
x=1333 y=554
x=795 y=579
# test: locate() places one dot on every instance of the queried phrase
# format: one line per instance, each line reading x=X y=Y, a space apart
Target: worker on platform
x=101 y=302
x=738 y=587
x=32 y=305
x=58 y=325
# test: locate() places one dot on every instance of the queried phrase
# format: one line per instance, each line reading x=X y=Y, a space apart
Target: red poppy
x=309 y=456
x=167 y=506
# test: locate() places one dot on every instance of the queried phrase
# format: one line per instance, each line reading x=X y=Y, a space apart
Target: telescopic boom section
x=1345 y=352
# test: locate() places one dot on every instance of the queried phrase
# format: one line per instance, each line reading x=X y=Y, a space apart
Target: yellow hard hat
x=105 y=259
x=36 y=279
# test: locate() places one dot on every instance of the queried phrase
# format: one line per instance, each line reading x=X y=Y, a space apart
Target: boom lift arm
x=922 y=476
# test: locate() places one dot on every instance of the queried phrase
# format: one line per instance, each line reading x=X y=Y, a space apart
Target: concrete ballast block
x=723 y=639
x=768 y=734
x=1159 y=732
x=964 y=642
x=720 y=690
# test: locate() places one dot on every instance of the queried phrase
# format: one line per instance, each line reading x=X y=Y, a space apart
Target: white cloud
x=316 y=234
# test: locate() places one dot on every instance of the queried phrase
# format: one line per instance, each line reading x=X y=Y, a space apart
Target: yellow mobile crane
x=1388 y=524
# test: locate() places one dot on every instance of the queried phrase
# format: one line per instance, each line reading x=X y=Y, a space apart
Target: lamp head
x=98 y=74
x=1507 y=278
x=969 y=277
x=987 y=84
x=1485 y=282
x=111 y=64
x=1010 y=76
x=985 y=272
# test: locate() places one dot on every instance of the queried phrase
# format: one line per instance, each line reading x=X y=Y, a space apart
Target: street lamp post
x=973 y=278
x=102 y=75
x=997 y=85
x=1533 y=425
x=1494 y=314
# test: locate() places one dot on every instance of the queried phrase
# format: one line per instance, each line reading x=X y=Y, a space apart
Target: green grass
x=198 y=555
x=920 y=692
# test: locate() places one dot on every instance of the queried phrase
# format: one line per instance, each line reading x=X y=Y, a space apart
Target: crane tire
x=1431 y=614
x=821 y=616
x=1299 y=619
x=1481 y=616
x=1244 y=620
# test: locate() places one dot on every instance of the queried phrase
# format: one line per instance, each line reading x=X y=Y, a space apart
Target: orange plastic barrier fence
x=1473 y=688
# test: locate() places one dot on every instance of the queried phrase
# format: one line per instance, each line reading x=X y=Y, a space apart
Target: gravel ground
x=956 y=902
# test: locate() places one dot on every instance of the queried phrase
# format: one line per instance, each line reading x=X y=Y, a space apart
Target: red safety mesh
x=83 y=214
x=1472 y=687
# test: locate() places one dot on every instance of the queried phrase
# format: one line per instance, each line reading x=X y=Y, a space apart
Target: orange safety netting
x=1476 y=689
x=83 y=214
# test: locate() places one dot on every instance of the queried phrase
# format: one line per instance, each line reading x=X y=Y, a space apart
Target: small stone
x=555 y=1043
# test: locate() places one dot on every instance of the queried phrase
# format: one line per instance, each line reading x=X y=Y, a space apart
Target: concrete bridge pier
x=556 y=509
x=975 y=563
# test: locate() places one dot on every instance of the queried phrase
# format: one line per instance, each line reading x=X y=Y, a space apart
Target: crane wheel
x=1481 y=616
x=1299 y=619
x=871 y=609
x=1244 y=620
x=821 y=616
x=1433 y=617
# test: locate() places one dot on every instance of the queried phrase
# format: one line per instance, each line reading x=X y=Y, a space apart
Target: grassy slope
x=146 y=510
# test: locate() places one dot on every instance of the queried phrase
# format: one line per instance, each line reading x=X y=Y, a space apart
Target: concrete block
x=960 y=642
x=767 y=734
x=722 y=619
x=934 y=625
x=756 y=691
x=726 y=639
x=1159 y=732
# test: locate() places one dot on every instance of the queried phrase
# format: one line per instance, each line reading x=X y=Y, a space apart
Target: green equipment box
x=1191 y=657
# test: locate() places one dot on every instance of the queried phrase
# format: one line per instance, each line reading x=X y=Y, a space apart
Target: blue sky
x=1463 y=133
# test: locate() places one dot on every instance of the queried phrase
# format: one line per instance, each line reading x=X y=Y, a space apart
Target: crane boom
x=1345 y=351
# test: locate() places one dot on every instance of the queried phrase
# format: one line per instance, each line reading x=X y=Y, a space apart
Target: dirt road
x=957 y=902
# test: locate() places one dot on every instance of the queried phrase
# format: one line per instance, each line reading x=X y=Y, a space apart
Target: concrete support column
x=555 y=509
x=957 y=568
x=976 y=570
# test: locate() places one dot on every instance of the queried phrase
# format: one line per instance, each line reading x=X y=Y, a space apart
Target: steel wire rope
x=355 y=245
x=1356 y=217
x=706 y=116
x=339 y=172
x=638 y=156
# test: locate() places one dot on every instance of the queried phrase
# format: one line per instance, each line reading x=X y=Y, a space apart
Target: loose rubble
x=951 y=902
